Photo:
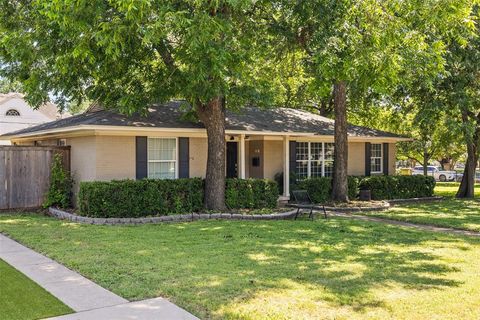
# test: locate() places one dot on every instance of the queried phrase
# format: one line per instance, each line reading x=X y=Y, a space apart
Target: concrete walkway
x=88 y=299
x=424 y=227
x=152 y=309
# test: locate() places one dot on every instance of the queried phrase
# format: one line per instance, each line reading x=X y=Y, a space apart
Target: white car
x=436 y=172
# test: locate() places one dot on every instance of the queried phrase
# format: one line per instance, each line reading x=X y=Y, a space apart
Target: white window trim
x=381 y=158
x=164 y=161
x=309 y=159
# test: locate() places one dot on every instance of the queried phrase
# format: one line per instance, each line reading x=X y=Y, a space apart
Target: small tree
x=60 y=190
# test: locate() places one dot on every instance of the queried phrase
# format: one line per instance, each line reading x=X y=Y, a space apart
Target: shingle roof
x=169 y=115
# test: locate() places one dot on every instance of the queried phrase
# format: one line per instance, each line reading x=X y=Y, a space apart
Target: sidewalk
x=88 y=299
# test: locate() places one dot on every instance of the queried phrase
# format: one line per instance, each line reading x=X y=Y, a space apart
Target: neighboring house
x=16 y=114
x=259 y=144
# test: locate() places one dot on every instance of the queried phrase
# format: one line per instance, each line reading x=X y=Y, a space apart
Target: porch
x=265 y=156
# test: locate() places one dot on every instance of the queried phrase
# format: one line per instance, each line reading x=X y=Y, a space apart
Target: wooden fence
x=25 y=174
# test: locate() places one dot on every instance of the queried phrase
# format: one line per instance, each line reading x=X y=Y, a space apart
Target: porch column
x=286 y=166
x=241 y=163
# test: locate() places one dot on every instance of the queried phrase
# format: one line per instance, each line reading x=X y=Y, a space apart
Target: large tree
x=460 y=89
x=130 y=54
x=359 y=47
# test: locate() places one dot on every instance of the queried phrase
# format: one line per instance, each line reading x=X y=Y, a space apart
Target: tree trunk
x=212 y=115
x=466 y=189
x=467 y=186
x=425 y=162
x=326 y=107
x=340 y=182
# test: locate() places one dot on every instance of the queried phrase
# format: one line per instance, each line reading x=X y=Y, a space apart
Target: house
x=16 y=114
x=162 y=144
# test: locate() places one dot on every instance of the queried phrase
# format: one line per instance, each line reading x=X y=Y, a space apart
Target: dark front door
x=232 y=159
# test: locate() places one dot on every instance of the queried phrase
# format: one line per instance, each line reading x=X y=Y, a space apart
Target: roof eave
x=98 y=129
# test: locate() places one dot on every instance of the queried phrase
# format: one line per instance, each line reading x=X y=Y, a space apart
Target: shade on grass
x=21 y=298
x=451 y=212
x=338 y=268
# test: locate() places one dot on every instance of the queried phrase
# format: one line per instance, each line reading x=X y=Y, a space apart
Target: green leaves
x=127 y=54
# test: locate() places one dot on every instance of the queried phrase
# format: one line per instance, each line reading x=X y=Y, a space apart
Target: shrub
x=60 y=190
x=398 y=187
x=148 y=197
x=251 y=193
x=320 y=188
x=137 y=198
x=278 y=178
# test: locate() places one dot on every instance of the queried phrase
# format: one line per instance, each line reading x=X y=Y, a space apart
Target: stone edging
x=387 y=204
x=383 y=207
x=173 y=218
x=424 y=199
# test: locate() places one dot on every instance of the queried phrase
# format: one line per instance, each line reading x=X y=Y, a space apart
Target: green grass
x=449 y=189
x=21 y=298
x=451 y=212
x=334 y=269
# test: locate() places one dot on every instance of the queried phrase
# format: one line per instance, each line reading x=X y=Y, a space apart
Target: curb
x=63 y=215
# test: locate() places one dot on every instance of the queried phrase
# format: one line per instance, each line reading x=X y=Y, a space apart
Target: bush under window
x=398 y=187
x=149 y=197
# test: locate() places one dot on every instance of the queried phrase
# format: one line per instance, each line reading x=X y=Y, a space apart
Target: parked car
x=436 y=172
x=459 y=177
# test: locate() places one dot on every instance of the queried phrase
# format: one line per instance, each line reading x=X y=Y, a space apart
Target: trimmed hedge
x=251 y=193
x=398 y=187
x=139 y=198
x=320 y=189
x=382 y=187
x=148 y=197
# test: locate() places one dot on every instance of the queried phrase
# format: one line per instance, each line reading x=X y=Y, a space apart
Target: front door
x=232 y=159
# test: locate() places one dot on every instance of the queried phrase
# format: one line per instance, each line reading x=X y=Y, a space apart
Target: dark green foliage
x=320 y=189
x=137 y=198
x=353 y=187
x=382 y=187
x=251 y=193
x=279 y=180
x=148 y=197
x=398 y=187
x=60 y=191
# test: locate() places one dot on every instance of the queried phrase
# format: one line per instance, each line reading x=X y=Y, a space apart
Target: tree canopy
x=129 y=54
x=358 y=48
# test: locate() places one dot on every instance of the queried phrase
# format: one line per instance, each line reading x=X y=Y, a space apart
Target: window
x=328 y=162
x=314 y=159
x=302 y=160
x=376 y=158
x=12 y=113
x=162 y=158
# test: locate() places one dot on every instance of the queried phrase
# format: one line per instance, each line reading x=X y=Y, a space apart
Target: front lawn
x=339 y=268
x=451 y=212
x=449 y=189
x=21 y=298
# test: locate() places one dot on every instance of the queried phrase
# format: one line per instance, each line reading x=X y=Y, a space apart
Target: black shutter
x=141 y=157
x=368 y=158
x=183 y=158
x=293 y=159
x=385 y=159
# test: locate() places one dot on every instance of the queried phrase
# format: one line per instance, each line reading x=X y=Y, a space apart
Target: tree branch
x=164 y=49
